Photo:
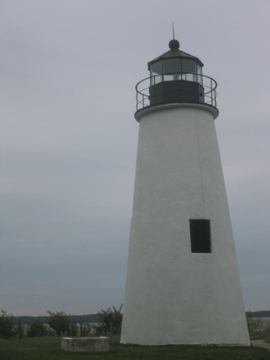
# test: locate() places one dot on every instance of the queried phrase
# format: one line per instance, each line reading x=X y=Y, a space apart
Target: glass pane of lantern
x=199 y=71
x=156 y=71
x=188 y=66
x=157 y=67
x=171 y=66
x=155 y=79
x=168 y=77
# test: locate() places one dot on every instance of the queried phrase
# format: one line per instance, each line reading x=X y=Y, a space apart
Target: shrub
x=256 y=324
x=267 y=324
x=49 y=331
x=36 y=328
x=19 y=328
x=59 y=322
x=73 y=329
x=7 y=329
x=85 y=329
x=110 y=321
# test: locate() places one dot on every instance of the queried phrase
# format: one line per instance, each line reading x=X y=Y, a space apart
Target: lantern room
x=176 y=77
x=175 y=65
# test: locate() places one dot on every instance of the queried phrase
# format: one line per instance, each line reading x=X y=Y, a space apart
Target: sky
x=69 y=140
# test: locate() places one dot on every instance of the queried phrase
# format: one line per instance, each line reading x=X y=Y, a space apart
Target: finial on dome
x=174 y=44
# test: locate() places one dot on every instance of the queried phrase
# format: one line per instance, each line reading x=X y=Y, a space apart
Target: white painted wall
x=173 y=296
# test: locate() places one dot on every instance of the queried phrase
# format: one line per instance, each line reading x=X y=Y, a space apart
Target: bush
x=110 y=321
x=19 y=328
x=73 y=329
x=59 y=322
x=36 y=328
x=50 y=332
x=267 y=324
x=85 y=329
x=7 y=329
x=257 y=325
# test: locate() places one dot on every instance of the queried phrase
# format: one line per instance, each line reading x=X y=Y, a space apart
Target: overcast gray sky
x=69 y=139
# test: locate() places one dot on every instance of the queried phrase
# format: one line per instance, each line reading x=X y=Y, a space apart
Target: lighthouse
x=182 y=284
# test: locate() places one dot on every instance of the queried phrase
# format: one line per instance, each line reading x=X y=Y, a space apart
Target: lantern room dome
x=174 y=52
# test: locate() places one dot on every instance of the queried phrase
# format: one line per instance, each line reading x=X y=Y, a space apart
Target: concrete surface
x=85 y=344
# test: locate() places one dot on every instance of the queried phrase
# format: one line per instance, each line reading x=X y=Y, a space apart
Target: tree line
x=259 y=314
x=91 y=318
x=60 y=324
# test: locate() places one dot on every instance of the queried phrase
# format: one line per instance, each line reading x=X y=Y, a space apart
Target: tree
x=254 y=324
x=73 y=329
x=36 y=328
x=110 y=321
x=6 y=326
x=249 y=320
x=19 y=329
x=60 y=322
x=81 y=326
x=85 y=329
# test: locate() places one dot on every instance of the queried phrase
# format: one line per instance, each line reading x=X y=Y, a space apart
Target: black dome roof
x=174 y=53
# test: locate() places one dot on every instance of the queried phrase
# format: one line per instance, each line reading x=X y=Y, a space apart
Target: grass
x=260 y=335
x=50 y=349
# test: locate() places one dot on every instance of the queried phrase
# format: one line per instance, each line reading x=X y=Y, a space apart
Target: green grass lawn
x=50 y=349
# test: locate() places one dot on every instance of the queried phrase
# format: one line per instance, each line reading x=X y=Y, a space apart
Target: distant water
x=25 y=326
x=266 y=321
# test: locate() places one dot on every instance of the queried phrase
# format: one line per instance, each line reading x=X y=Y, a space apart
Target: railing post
x=211 y=95
x=212 y=92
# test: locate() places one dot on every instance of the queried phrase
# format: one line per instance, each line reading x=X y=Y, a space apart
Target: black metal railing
x=208 y=84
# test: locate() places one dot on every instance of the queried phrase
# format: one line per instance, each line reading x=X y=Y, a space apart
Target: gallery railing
x=208 y=84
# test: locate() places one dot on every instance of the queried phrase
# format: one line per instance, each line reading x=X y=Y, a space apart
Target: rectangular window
x=200 y=235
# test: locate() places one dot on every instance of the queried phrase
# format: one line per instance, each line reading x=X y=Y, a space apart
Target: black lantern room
x=176 y=77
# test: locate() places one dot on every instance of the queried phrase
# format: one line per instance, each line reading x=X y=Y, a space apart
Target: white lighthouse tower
x=183 y=284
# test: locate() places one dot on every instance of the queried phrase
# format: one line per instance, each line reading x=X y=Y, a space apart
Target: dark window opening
x=200 y=235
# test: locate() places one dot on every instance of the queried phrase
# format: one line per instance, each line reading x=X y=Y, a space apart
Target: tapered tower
x=183 y=284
